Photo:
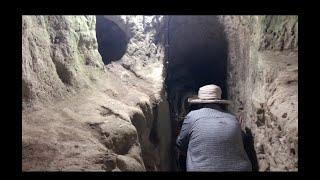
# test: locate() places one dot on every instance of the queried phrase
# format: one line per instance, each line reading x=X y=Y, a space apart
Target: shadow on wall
x=112 y=41
x=248 y=142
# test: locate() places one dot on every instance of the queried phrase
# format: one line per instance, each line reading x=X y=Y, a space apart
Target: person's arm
x=184 y=135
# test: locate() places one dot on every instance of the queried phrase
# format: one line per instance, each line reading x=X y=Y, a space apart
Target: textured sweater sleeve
x=183 y=138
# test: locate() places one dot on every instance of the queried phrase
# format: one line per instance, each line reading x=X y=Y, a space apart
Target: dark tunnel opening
x=196 y=55
x=112 y=40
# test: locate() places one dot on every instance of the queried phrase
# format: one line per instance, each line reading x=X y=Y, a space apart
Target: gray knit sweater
x=213 y=142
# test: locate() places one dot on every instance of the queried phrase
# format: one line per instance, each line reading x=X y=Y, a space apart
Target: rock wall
x=58 y=53
x=80 y=114
x=263 y=84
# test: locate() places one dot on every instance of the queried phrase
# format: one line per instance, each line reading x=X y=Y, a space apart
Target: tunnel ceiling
x=196 y=35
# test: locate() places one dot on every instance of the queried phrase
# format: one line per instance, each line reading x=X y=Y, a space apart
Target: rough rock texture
x=263 y=84
x=144 y=59
x=55 y=50
x=79 y=114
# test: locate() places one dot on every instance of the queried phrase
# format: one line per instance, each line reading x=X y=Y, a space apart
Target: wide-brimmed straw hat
x=208 y=94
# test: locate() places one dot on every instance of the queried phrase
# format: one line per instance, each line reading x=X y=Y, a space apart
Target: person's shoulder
x=193 y=113
x=229 y=114
x=223 y=113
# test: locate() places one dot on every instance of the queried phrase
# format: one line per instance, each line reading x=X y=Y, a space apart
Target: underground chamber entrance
x=112 y=40
x=196 y=55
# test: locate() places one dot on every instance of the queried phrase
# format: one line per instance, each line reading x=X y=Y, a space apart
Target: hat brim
x=207 y=101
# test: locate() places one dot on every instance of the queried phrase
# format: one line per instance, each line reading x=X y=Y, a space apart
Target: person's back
x=213 y=140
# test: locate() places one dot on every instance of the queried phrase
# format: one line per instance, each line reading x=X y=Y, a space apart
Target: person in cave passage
x=210 y=137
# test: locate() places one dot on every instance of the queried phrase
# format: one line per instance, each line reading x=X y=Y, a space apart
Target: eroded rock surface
x=80 y=114
x=263 y=84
